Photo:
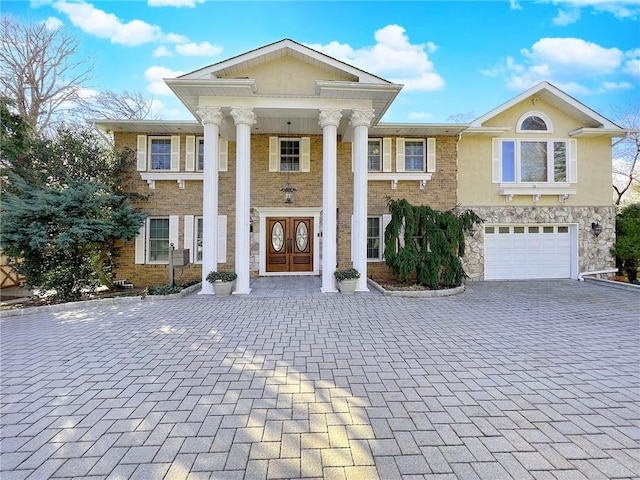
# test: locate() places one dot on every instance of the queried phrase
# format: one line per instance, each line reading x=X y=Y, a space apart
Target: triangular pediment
x=273 y=56
x=555 y=97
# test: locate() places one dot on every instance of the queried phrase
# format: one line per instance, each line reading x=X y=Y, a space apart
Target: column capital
x=243 y=115
x=361 y=117
x=330 y=117
x=210 y=115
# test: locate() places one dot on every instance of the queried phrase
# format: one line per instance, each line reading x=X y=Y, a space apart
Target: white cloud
x=175 y=38
x=393 y=57
x=204 y=49
x=173 y=3
x=632 y=67
x=162 y=51
x=569 y=11
x=53 y=23
x=515 y=5
x=107 y=25
x=572 y=64
x=155 y=76
x=567 y=17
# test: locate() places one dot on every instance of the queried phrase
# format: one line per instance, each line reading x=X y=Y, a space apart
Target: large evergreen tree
x=65 y=204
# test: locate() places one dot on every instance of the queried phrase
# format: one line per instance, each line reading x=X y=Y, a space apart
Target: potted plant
x=347 y=279
x=222 y=282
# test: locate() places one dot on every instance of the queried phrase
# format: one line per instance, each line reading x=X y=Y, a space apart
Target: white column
x=360 y=121
x=329 y=121
x=244 y=118
x=211 y=119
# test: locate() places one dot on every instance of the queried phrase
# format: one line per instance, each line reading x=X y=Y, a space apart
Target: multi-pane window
x=160 y=153
x=534 y=123
x=158 y=240
x=414 y=156
x=374 y=237
x=289 y=155
x=375 y=155
x=199 y=229
x=534 y=161
x=200 y=147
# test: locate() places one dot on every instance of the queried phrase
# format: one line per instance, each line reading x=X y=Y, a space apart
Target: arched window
x=534 y=122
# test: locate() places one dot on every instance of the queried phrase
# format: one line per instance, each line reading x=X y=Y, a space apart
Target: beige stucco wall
x=298 y=77
x=594 y=162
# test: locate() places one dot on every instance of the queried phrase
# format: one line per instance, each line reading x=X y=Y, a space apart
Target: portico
x=333 y=100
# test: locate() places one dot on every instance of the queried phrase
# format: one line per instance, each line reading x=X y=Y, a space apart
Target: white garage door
x=527 y=251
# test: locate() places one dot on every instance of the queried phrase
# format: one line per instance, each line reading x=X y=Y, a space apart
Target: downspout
x=596 y=272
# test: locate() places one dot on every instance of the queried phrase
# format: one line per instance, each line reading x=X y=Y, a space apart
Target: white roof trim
x=607 y=124
x=211 y=70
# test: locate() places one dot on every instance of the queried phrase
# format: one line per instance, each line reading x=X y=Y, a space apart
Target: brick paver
x=521 y=380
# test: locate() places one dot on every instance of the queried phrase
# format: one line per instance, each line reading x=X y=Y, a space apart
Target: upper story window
x=375 y=154
x=414 y=158
x=160 y=153
x=534 y=122
x=534 y=161
x=289 y=155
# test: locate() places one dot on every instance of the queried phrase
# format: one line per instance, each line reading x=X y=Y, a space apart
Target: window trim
x=534 y=113
x=198 y=139
x=423 y=141
x=517 y=161
x=299 y=156
x=380 y=238
x=380 y=142
x=150 y=140
x=148 y=241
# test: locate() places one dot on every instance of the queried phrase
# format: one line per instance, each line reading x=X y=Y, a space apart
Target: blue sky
x=455 y=58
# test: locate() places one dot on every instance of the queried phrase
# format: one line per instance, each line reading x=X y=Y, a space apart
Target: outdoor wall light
x=596 y=228
x=288 y=190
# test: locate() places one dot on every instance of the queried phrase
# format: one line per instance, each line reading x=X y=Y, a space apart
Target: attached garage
x=530 y=251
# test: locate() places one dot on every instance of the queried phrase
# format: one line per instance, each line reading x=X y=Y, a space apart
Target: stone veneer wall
x=593 y=252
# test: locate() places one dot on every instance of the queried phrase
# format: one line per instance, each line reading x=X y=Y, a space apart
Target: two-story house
x=287 y=170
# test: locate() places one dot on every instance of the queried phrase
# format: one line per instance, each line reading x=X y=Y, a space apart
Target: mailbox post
x=177 y=258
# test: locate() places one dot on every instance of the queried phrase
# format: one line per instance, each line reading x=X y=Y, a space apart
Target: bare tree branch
x=128 y=104
x=626 y=155
x=38 y=72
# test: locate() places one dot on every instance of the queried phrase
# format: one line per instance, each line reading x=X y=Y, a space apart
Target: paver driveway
x=507 y=380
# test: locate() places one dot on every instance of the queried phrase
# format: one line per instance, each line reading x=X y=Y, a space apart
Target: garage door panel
x=524 y=252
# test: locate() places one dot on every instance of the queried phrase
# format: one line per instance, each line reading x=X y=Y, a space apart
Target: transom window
x=414 y=155
x=160 y=153
x=534 y=122
x=158 y=240
x=375 y=154
x=534 y=161
x=289 y=155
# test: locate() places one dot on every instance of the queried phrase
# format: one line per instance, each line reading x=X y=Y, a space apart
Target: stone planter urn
x=348 y=286
x=222 y=289
x=222 y=282
x=347 y=280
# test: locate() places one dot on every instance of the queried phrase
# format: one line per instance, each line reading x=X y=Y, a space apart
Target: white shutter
x=175 y=153
x=190 y=153
x=386 y=155
x=142 y=153
x=572 y=161
x=223 y=155
x=399 y=154
x=305 y=154
x=496 y=160
x=431 y=154
x=222 y=239
x=386 y=220
x=188 y=236
x=173 y=230
x=274 y=154
x=140 y=243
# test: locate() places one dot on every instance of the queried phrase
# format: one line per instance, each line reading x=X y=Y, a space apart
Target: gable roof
x=558 y=99
x=235 y=65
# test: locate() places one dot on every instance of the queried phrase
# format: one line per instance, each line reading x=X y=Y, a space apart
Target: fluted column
x=329 y=121
x=211 y=118
x=244 y=119
x=360 y=121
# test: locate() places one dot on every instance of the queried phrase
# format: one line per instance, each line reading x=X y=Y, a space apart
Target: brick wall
x=167 y=199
